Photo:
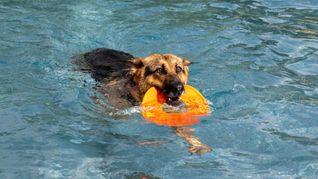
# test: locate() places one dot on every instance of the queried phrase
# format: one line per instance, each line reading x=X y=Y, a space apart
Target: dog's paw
x=199 y=149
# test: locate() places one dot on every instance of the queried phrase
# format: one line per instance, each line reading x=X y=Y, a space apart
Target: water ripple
x=255 y=61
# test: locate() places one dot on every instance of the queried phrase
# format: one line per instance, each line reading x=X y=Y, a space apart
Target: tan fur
x=153 y=62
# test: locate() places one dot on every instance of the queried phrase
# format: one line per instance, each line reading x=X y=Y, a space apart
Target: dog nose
x=177 y=88
x=180 y=88
x=173 y=87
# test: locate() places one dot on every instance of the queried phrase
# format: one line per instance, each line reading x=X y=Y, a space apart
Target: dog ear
x=186 y=62
x=137 y=62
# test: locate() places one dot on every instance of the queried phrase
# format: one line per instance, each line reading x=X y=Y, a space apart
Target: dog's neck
x=136 y=93
x=136 y=90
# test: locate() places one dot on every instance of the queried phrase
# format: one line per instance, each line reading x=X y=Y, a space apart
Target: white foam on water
x=87 y=168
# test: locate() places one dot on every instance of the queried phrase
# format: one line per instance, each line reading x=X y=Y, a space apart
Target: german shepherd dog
x=124 y=79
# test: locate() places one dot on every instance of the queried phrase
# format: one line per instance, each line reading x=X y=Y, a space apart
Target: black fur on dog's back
x=105 y=64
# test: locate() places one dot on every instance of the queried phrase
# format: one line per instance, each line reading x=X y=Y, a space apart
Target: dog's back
x=110 y=68
x=104 y=64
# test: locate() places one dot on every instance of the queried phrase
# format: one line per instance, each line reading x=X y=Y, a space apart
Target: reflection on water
x=256 y=61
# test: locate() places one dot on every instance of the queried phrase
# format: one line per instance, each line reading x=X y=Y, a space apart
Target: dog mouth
x=174 y=105
x=173 y=99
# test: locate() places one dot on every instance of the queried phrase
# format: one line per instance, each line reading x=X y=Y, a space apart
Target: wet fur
x=124 y=79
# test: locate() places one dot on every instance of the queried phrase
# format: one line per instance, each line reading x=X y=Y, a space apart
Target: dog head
x=167 y=72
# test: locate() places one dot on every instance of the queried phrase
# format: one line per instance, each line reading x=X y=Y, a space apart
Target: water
x=256 y=61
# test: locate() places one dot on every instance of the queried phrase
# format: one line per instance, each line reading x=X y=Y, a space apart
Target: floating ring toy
x=154 y=108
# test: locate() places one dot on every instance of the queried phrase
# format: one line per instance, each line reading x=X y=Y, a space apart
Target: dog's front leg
x=195 y=144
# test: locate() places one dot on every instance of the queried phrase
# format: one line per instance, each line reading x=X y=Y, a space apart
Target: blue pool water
x=256 y=61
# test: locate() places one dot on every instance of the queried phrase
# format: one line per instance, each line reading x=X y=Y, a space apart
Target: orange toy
x=153 y=103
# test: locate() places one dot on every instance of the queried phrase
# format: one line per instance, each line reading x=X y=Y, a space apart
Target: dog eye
x=159 y=71
x=178 y=69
